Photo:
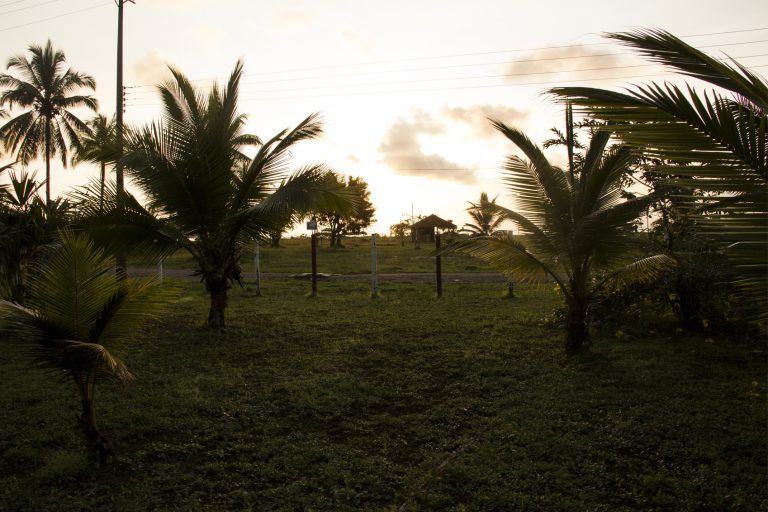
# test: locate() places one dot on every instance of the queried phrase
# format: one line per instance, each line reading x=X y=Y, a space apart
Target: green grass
x=354 y=258
x=347 y=403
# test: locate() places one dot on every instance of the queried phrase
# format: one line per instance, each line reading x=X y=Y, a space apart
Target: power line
x=5 y=29
x=27 y=7
x=472 y=54
x=367 y=93
x=739 y=43
x=138 y=95
x=11 y=3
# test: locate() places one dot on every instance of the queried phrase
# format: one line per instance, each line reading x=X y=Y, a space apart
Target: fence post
x=257 y=267
x=374 y=277
x=438 y=267
x=314 y=264
x=160 y=269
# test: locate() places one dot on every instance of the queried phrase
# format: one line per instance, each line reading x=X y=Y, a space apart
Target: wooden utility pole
x=122 y=260
x=438 y=267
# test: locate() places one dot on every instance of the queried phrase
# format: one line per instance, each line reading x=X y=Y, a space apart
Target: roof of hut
x=433 y=221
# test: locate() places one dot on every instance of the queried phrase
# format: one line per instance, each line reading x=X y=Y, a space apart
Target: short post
x=314 y=264
x=257 y=267
x=510 y=289
x=160 y=269
x=438 y=267
x=374 y=283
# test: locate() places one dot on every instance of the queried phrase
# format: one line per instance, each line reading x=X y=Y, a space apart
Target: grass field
x=293 y=256
x=400 y=403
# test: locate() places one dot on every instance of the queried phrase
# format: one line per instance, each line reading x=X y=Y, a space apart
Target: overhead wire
x=141 y=101
x=27 y=7
x=458 y=55
x=11 y=3
x=442 y=79
x=5 y=29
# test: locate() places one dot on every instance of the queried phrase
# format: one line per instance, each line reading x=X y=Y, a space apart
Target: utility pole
x=122 y=261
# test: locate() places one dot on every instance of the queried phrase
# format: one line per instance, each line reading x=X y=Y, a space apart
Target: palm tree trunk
x=218 y=291
x=97 y=444
x=576 y=329
x=48 y=162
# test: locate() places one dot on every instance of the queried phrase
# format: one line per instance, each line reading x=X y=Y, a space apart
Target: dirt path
x=402 y=277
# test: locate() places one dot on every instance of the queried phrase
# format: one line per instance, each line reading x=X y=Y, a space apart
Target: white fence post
x=374 y=280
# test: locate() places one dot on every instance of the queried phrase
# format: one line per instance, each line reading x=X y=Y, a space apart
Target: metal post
x=257 y=267
x=438 y=267
x=374 y=283
x=314 y=264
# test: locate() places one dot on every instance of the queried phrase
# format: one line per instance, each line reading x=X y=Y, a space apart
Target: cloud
x=291 y=18
x=565 y=60
x=359 y=40
x=402 y=150
x=476 y=116
x=150 y=69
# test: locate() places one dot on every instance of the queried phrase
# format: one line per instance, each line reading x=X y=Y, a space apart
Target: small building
x=425 y=229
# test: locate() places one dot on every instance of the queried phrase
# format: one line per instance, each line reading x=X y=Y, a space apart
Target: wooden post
x=160 y=269
x=374 y=283
x=257 y=267
x=314 y=264
x=438 y=267
x=510 y=289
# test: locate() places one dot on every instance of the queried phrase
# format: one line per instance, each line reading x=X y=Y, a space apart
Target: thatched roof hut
x=424 y=230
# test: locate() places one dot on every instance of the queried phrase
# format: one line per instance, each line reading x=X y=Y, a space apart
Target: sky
x=405 y=88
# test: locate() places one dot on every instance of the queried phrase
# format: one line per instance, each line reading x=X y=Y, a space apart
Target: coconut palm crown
x=573 y=225
x=98 y=145
x=48 y=93
x=485 y=217
x=714 y=142
x=204 y=195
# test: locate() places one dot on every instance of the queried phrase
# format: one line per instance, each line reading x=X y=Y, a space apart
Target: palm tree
x=44 y=88
x=204 y=195
x=573 y=225
x=99 y=146
x=722 y=137
x=485 y=216
x=77 y=311
x=28 y=228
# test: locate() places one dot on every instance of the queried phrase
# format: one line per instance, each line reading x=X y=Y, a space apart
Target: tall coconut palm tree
x=573 y=225
x=78 y=313
x=45 y=89
x=204 y=195
x=99 y=146
x=485 y=216
x=721 y=136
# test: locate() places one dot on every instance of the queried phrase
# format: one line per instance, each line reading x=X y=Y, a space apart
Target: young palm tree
x=203 y=194
x=99 y=146
x=76 y=313
x=722 y=137
x=46 y=90
x=572 y=224
x=485 y=216
x=27 y=229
